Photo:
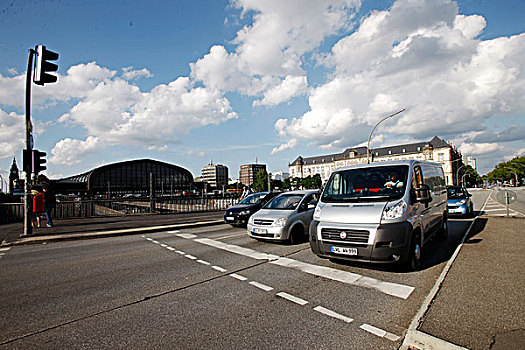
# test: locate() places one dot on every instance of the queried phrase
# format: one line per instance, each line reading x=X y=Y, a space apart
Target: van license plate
x=343 y=250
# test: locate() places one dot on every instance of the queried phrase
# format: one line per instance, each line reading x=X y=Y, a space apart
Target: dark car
x=459 y=201
x=238 y=214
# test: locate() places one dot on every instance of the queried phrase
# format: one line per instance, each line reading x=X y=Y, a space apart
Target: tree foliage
x=261 y=182
x=508 y=171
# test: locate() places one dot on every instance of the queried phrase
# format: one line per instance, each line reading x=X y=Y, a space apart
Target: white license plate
x=343 y=250
x=230 y=218
x=259 y=230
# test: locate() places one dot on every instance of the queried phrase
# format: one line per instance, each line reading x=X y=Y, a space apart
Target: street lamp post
x=457 y=175
x=370 y=136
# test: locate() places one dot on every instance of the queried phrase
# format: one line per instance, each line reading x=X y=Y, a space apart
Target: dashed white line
x=203 y=262
x=186 y=235
x=379 y=332
x=180 y=252
x=218 y=268
x=5 y=249
x=261 y=286
x=333 y=314
x=394 y=289
x=163 y=245
x=238 y=277
x=190 y=257
x=171 y=248
x=292 y=298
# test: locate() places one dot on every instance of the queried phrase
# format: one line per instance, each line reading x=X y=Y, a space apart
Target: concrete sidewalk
x=68 y=229
x=481 y=301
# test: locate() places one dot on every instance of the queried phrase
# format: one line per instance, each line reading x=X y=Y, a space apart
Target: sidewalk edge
x=112 y=233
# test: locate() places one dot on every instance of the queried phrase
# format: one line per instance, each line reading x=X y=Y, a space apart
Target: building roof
x=354 y=152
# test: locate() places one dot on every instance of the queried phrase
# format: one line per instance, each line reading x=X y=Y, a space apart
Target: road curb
x=111 y=233
x=415 y=339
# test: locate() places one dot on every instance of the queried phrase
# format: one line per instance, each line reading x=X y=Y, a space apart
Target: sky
x=244 y=81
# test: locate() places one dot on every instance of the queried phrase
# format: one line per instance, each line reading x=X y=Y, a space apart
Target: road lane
x=165 y=290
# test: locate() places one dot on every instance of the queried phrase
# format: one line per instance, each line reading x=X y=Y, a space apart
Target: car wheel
x=414 y=255
x=443 y=230
x=297 y=234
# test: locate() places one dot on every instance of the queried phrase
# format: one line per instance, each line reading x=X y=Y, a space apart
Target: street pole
x=370 y=136
x=457 y=175
x=28 y=205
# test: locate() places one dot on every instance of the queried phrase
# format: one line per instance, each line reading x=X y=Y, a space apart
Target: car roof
x=300 y=192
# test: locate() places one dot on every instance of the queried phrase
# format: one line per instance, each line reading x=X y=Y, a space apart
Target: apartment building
x=216 y=175
x=435 y=150
x=248 y=173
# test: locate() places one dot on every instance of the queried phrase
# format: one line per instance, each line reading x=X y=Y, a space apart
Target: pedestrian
x=49 y=203
x=38 y=208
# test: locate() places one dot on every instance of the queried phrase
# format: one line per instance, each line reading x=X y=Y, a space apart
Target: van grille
x=352 y=236
x=262 y=222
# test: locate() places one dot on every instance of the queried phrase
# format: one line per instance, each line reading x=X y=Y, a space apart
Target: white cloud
x=423 y=56
x=12 y=134
x=479 y=148
x=130 y=73
x=291 y=86
x=69 y=151
x=268 y=56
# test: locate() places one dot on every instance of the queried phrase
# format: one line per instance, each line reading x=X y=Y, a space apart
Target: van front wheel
x=414 y=257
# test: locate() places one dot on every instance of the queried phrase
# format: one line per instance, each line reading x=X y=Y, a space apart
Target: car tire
x=443 y=229
x=297 y=234
x=414 y=254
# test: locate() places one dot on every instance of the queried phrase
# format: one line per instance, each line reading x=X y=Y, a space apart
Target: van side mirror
x=422 y=194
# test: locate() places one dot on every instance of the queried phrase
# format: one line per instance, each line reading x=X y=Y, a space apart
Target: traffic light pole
x=28 y=205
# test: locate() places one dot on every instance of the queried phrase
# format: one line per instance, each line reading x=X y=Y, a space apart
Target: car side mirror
x=422 y=194
x=311 y=206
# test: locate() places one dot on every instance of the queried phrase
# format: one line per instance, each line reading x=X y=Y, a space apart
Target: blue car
x=459 y=201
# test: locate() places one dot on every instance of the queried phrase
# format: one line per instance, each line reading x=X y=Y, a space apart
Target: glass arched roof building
x=128 y=177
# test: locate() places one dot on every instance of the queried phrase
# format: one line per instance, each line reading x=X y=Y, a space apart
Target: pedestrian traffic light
x=39 y=161
x=42 y=66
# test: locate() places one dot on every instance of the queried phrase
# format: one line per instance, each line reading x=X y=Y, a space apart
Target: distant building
x=469 y=160
x=280 y=176
x=216 y=175
x=436 y=150
x=14 y=178
x=129 y=177
x=248 y=173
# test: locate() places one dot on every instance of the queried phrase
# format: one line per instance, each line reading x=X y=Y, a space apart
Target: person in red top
x=38 y=207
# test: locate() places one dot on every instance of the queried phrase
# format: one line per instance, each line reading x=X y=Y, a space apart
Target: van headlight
x=394 y=211
x=280 y=222
x=317 y=213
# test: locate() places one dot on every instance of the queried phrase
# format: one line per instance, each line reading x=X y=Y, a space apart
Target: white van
x=383 y=212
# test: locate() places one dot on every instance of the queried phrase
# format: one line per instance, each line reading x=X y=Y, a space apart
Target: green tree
x=261 y=182
x=471 y=176
x=507 y=171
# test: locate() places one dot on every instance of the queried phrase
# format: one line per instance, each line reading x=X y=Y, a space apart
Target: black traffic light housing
x=42 y=66
x=39 y=161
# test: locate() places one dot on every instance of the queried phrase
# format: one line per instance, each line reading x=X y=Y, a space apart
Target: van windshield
x=380 y=183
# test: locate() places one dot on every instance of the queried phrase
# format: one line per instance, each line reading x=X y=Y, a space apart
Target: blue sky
x=187 y=82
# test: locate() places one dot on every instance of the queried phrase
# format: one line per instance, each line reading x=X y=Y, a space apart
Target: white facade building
x=436 y=150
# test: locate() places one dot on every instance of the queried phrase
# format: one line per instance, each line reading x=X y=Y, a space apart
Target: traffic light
x=27 y=160
x=42 y=66
x=39 y=161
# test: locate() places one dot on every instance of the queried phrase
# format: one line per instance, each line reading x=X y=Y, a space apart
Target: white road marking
x=180 y=252
x=232 y=236
x=292 y=298
x=176 y=231
x=203 y=262
x=191 y=257
x=186 y=235
x=5 y=249
x=218 y=268
x=171 y=248
x=333 y=314
x=394 y=289
x=238 y=277
x=261 y=286
x=163 y=245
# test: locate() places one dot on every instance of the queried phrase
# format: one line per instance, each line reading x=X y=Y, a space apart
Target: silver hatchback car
x=286 y=217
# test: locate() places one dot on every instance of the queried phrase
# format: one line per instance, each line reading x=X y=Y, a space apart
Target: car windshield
x=285 y=201
x=456 y=193
x=366 y=184
x=253 y=198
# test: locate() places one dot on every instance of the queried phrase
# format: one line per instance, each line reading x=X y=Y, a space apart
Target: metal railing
x=14 y=212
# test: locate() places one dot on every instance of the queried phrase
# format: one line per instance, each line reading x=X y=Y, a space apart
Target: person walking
x=49 y=203
x=38 y=208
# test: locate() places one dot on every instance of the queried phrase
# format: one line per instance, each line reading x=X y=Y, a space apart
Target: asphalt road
x=208 y=287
